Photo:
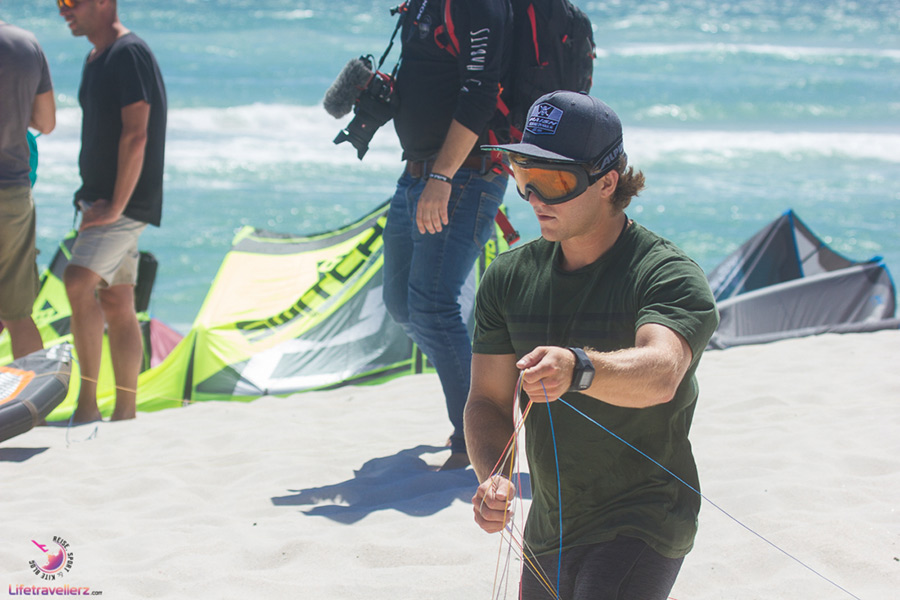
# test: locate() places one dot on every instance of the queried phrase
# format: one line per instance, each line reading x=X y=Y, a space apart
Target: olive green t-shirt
x=606 y=488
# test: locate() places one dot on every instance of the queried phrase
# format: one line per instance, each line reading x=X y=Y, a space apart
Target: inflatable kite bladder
x=31 y=387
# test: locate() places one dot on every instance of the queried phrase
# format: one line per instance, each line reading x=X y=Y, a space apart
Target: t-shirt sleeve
x=491 y=331
x=676 y=294
x=134 y=74
x=45 y=84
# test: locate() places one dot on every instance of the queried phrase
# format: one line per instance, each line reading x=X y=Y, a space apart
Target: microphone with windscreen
x=369 y=93
x=343 y=93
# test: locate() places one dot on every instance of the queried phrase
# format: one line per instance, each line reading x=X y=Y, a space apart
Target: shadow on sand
x=19 y=455
x=403 y=482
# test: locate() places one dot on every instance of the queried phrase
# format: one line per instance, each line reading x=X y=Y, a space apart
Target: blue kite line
x=558 y=493
x=716 y=506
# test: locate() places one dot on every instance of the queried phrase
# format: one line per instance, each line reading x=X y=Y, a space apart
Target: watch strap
x=583 y=373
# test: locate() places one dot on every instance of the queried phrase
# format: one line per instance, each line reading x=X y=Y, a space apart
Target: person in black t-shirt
x=455 y=57
x=123 y=100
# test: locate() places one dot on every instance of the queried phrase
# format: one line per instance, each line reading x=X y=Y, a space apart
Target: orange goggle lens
x=66 y=4
x=553 y=184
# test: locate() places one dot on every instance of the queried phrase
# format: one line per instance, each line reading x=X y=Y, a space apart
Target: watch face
x=583 y=375
x=584 y=381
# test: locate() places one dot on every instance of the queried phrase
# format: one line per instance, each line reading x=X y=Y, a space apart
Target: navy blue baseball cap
x=570 y=127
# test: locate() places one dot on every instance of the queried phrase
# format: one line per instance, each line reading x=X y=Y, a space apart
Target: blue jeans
x=424 y=274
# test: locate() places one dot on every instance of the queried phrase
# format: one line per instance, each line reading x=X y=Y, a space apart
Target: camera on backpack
x=369 y=93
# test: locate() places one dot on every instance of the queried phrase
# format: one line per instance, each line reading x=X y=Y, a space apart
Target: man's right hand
x=431 y=210
x=96 y=213
x=492 y=503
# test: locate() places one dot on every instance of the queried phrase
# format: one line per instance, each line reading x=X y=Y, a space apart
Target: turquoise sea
x=735 y=111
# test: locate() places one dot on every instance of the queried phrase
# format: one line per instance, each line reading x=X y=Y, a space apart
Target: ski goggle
x=553 y=183
x=60 y=4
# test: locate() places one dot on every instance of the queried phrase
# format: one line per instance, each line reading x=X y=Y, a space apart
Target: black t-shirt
x=123 y=74
x=436 y=87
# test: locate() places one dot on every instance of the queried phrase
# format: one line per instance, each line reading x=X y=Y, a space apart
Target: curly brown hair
x=630 y=184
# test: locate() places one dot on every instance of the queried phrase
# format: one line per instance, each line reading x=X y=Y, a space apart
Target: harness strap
x=448 y=30
x=509 y=232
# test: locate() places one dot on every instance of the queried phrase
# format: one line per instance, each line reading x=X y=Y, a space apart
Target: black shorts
x=623 y=569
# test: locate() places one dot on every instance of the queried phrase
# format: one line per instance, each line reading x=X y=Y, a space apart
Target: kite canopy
x=31 y=387
x=285 y=314
x=786 y=282
x=289 y=313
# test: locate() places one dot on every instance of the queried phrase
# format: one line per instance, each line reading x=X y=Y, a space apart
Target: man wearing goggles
x=556 y=160
x=612 y=319
x=124 y=108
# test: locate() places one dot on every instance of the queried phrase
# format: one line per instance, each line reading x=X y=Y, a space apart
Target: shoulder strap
x=33 y=155
x=447 y=31
x=532 y=21
x=509 y=232
x=397 y=10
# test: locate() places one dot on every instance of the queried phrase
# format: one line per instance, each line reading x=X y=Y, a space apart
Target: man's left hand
x=547 y=372
x=431 y=211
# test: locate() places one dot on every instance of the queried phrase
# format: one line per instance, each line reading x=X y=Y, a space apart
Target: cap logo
x=543 y=120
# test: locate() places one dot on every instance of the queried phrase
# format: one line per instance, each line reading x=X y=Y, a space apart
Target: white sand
x=333 y=495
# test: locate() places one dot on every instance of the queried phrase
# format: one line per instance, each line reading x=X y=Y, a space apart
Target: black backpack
x=553 y=49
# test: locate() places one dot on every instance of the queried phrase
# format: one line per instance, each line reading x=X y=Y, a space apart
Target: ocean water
x=734 y=111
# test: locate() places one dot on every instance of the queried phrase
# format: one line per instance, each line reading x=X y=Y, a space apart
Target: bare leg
x=125 y=346
x=24 y=335
x=457 y=460
x=87 y=329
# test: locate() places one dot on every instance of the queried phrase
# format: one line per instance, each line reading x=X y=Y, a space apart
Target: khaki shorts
x=18 y=268
x=110 y=251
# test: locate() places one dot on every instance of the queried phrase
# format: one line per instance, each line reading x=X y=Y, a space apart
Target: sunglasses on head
x=553 y=183
x=60 y=4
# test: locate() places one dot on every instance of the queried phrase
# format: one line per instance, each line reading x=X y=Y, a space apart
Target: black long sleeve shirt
x=435 y=87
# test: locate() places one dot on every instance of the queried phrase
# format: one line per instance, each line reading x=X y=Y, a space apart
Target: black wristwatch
x=583 y=374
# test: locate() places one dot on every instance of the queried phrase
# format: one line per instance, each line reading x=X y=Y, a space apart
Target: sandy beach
x=335 y=495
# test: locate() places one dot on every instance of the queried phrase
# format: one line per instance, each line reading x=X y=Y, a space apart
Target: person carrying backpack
x=443 y=209
x=552 y=49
